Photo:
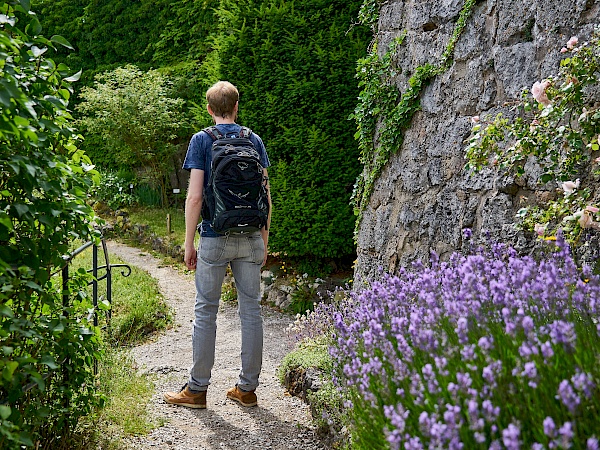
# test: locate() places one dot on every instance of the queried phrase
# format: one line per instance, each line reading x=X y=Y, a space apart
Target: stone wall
x=424 y=198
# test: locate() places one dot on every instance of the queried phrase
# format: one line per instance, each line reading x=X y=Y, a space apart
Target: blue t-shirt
x=199 y=156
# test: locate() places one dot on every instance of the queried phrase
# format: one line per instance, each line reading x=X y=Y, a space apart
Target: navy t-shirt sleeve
x=260 y=147
x=195 y=157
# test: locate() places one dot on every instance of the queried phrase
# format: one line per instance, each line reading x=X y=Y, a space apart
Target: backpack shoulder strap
x=245 y=132
x=213 y=132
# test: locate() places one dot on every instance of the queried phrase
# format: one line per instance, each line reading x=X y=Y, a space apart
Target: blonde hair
x=222 y=98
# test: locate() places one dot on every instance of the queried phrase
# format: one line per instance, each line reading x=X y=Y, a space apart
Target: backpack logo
x=235 y=199
x=239 y=195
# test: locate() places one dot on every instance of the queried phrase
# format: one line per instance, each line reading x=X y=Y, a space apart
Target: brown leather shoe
x=186 y=398
x=243 y=397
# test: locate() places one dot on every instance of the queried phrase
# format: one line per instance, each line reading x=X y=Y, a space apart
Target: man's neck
x=224 y=121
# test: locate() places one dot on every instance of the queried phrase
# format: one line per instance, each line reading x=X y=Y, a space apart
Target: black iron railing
x=95 y=271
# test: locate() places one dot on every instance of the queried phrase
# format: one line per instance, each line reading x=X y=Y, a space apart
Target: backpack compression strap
x=215 y=134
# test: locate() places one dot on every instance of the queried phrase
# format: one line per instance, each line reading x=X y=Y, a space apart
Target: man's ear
x=209 y=109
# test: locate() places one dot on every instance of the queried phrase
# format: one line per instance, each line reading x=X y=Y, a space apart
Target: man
x=244 y=253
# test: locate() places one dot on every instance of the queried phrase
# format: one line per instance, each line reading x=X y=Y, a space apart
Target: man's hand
x=190 y=257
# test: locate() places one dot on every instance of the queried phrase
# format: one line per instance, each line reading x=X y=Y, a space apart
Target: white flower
x=570 y=186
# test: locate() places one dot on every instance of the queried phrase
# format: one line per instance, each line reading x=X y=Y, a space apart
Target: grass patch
x=127 y=393
x=138 y=312
x=156 y=219
x=138 y=308
x=124 y=413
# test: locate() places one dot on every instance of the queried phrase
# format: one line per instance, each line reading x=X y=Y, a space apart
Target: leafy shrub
x=45 y=345
x=302 y=119
x=114 y=190
x=487 y=350
x=138 y=121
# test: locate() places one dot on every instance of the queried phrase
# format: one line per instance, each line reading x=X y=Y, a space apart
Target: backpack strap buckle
x=213 y=132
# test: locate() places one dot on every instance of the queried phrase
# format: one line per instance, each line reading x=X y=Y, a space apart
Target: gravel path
x=279 y=422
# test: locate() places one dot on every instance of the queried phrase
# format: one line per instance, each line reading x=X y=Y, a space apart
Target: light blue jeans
x=244 y=253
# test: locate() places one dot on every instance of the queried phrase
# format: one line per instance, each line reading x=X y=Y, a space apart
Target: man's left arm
x=265 y=231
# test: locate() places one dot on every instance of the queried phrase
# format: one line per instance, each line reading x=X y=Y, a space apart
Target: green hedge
x=294 y=64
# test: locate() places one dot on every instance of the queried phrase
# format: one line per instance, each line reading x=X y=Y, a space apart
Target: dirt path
x=280 y=422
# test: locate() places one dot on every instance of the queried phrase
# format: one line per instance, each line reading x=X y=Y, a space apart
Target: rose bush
x=559 y=131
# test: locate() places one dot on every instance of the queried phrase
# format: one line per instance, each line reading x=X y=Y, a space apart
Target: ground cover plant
x=487 y=350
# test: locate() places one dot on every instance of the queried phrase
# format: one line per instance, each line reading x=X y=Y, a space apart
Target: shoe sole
x=241 y=402
x=187 y=405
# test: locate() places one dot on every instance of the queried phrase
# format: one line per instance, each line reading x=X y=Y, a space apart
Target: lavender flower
x=510 y=437
x=455 y=342
x=568 y=396
x=566 y=435
x=549 y=427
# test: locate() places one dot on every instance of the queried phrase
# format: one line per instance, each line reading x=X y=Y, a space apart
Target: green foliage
x=43 y=184
x=559 y=129
x=369 y=14
x=114 y=190
x=137 y=120
x=106 y=33
x=304 y=293
x=185 y=36
x=380 y=103
x=292 y=105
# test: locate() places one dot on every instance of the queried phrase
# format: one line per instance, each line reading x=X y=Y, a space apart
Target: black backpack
x=236 y=198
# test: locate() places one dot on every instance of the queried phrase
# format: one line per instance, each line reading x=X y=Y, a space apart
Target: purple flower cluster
x=488 y=349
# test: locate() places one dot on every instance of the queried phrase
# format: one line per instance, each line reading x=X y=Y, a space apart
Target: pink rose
x=572 y=42
x=592 y=209
x=564 y=50
x=538 y=90
x=585 y=220
x=534 y=123
x=597 y=160
x=475 y=119
x=570 y=186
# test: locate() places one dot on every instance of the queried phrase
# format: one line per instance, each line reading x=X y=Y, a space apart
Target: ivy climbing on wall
x=381 y=103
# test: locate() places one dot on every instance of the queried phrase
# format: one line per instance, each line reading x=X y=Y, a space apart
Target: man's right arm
x=193 y=206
